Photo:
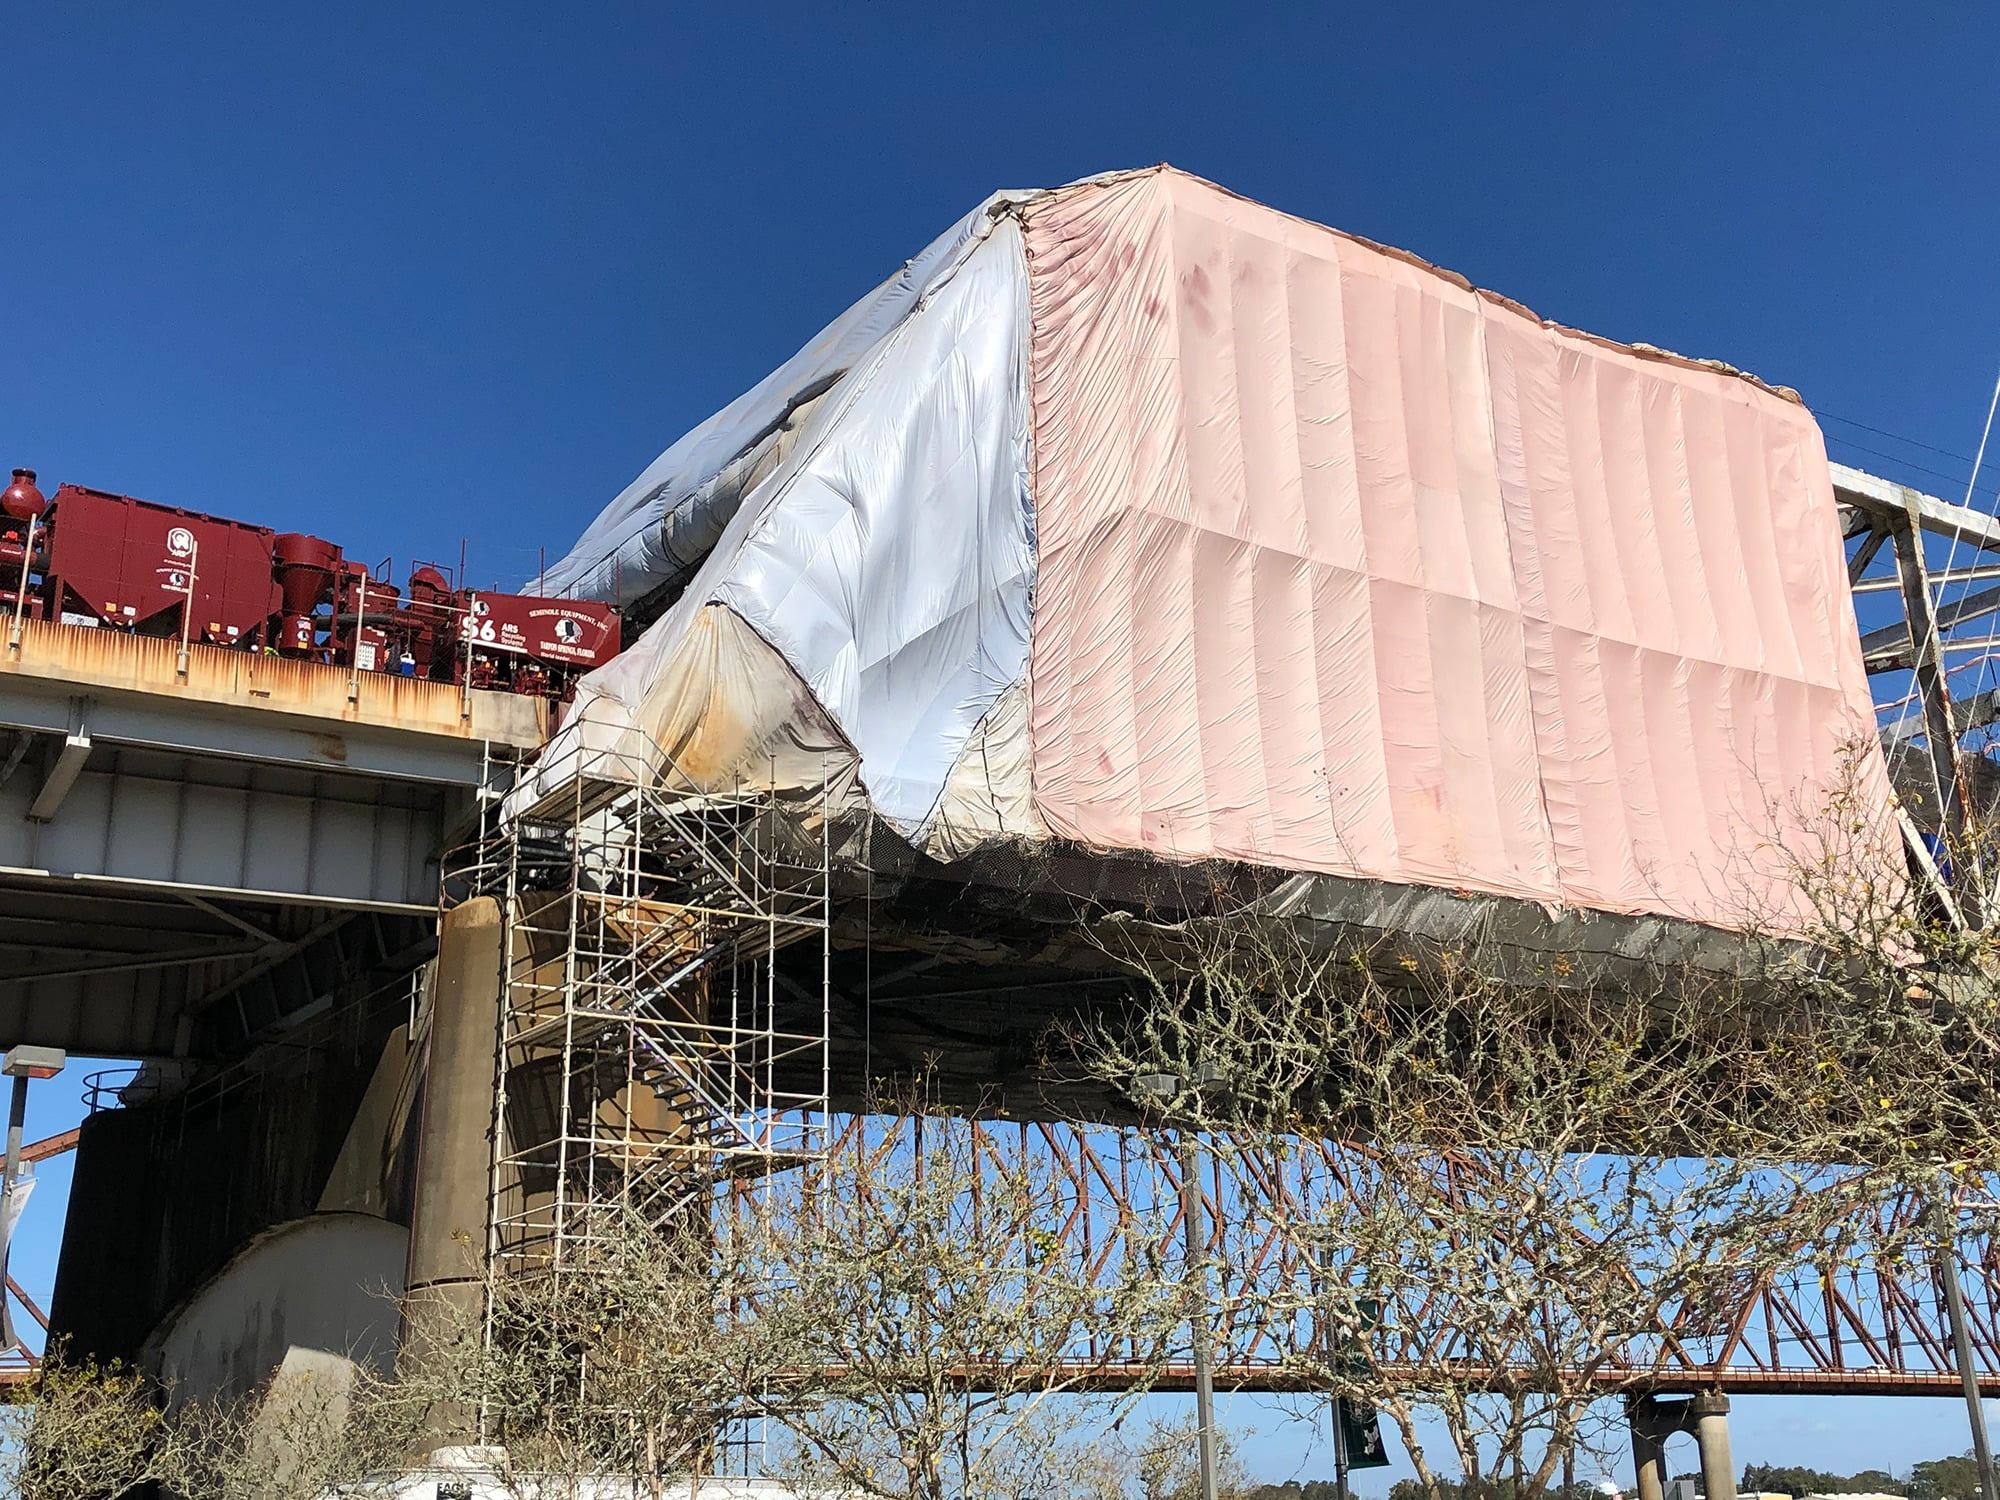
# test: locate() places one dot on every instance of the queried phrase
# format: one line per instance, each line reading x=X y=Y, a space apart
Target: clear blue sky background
x=409 y=275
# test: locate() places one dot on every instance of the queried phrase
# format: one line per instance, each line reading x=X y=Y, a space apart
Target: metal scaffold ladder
x=650 y=1048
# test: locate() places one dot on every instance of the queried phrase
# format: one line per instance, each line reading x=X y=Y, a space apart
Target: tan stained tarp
x=1346 y=567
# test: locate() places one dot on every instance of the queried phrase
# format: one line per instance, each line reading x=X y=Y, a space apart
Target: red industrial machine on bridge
x=87 y=557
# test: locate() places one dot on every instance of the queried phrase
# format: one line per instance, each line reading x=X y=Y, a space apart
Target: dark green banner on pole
x=1361 y=1434
x=1360 y=1431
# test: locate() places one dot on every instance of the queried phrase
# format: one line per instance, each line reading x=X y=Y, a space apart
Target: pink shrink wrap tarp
x=1346 y=567
x=1141 y=516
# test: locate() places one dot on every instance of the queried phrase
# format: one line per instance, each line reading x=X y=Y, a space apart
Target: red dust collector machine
x=90 y=558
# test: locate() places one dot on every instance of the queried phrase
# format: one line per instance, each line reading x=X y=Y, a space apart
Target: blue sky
x=410 y=276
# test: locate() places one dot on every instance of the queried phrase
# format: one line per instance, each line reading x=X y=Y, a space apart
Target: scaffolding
x=651 y=1051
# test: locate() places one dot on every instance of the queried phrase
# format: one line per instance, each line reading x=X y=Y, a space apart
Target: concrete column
x=1710 y=1411
x=1650 y=1426
x=447 y=1265
x=1649 y=1460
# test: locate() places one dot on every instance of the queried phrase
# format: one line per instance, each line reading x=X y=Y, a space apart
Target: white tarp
x=888 y=559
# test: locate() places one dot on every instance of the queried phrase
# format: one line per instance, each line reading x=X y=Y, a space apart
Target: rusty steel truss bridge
x=1868 y=1328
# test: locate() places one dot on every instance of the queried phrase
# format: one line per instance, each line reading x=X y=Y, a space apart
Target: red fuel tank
x=21 y=499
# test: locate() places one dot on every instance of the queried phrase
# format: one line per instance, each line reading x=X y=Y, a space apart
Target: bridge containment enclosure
x=1130 y=533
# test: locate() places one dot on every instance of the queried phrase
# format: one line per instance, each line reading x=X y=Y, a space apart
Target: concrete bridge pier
x=1649 y=1452
x=1710 y=1414
x=447 y=1266
x=1654 y=1419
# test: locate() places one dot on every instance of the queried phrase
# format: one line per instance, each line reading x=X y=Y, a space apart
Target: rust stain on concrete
x=86 y=657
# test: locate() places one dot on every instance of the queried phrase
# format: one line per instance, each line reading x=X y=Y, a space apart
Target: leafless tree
x=83 y=1430
x=897 y=1321
x=1504 y=1198
x=624 y=1362
x=304 y=1434
x=1164 y=1465
x=941 y=1326
x=1501 y=1194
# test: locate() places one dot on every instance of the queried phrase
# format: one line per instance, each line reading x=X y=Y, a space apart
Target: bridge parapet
x=206 y=684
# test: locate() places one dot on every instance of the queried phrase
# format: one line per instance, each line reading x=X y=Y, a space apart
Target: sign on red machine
x=525 y=643
x=565 y=630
